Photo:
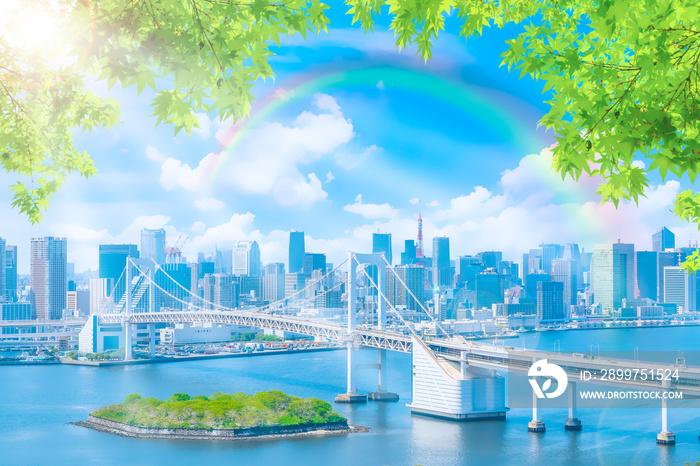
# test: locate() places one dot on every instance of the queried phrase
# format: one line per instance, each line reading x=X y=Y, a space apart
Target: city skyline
x=342 y=162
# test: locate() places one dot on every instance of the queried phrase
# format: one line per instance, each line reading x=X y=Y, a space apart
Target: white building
x=78 y=303
x=246 y=259
x=679 y=288
x=197 y=332
x=100 y=290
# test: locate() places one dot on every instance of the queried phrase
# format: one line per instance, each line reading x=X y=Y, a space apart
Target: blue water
x=38 y=402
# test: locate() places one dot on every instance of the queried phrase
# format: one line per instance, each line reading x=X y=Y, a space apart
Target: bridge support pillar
x=152 y=340
x=381 y=394
x=128 y=354
x=665 y=437
x=572 y=422
x=535 y=425
x=351 y=396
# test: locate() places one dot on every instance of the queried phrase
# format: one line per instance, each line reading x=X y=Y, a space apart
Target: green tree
x=623 y=77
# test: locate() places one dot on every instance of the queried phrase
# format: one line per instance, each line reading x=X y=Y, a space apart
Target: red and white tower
x=419 y=247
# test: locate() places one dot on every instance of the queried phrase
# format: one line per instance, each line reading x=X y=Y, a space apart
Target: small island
x=220 y=416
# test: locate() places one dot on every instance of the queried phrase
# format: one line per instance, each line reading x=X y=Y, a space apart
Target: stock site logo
x=543 y=369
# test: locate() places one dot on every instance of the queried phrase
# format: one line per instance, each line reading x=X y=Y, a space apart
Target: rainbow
x=497 y=111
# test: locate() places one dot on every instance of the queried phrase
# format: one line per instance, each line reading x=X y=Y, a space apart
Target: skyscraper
x=153 y=245
x=296 y=251
x=413 y=276
x=612 y=274
x=409 y=255
x=246 y=259
x=314 y=261
x=112 y=262
x=679 y=288
x=381 y=242
x=564 y=271
x=221 y=290
x=274 y=282
x=550 y=301
x=442 y=272
x=48 y=278
x=489 y=289
x=663 y=239
x=646 y=269
x=664 y=259
x=11 y=273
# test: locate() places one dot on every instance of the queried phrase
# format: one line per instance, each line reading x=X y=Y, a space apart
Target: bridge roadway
x=494 y=357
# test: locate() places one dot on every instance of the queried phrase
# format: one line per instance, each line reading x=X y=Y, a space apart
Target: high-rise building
x=221 y=290
x=297 y=250
x=646 y=269
x=531 y=281
x=153 y=245
x=612 y=274
x=48 y=277
x=175 y=279
x=223 y=261
x=564 y=271
x=293 y=283
x=663 y=239
x=550 y=301
x=571 y=251
x=680 y=288
x=100 y=289
x=663 y=260
x=381 y=242
x=3 y=270
x=274 y=282
x=314 y=261
x=408 y=256
x=491 y=259
x=442 y=271
x=414 y=277
x=246 y=259
x=489 y=289
x=467 y=268
x=11 y=274
x=112 y=263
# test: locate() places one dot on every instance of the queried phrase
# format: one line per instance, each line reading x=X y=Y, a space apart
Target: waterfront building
x=489 y=289
x=612 y=274
x=663 y=239
x=680 y=288
x=246 y=259
x=663 y=260
x=408 y=257
x=112 y=262
x=297 y=250
x=550 y=301
x=442 y=270
x=100 y=291
x=49 y=281
x=153 y=245
x=646 y=270
x=11 y=274
x=274 y=282
x=381 y=242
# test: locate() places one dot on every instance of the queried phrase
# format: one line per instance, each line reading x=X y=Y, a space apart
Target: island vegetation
x=220 y=411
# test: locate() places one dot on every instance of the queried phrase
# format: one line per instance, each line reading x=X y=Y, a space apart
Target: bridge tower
x=150 y=265
x=352 y=395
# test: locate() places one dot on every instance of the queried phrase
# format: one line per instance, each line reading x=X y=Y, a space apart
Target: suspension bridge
x=452 y=378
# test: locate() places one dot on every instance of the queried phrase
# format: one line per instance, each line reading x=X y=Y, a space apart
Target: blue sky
x=343 y=163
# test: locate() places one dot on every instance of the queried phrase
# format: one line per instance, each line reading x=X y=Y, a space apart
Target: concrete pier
x=572 y=423
x=535 y=425
x=665 y=437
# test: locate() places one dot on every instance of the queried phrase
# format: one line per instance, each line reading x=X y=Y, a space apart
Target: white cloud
x=329 y=177
x=434 y=203
x=209 y=204
x=153 y=154
x=198 y=227
x=205 y=124
x=371 y=211
x=288 y=191
x=479 y=202
x=415 y=200
x=176 y=174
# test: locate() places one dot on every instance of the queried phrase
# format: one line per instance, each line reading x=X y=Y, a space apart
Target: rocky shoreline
x=267 y=432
